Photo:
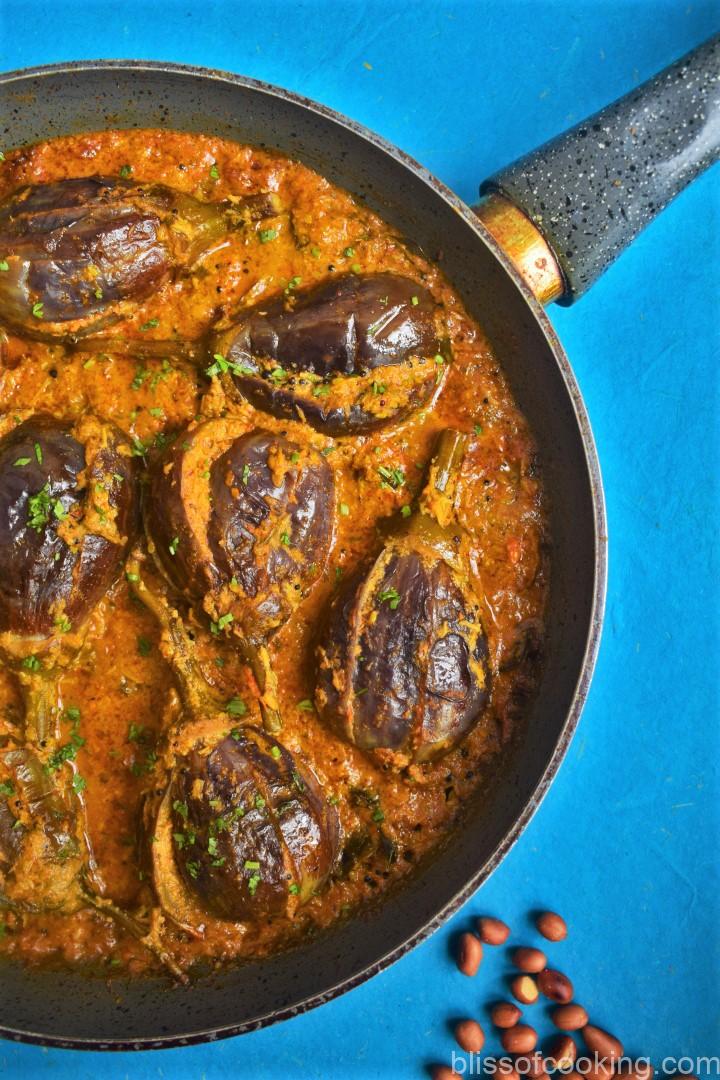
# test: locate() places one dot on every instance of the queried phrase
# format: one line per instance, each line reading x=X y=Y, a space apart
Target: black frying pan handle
x=591 y=190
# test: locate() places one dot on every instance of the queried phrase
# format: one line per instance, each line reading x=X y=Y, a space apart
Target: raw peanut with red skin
x=530 y=960
x=470 y=1036
x=563 y=1051
x=570 y=1018
x=555 y=986
x=493 y=931
x=521 y=1039
x=525 y=989
x=601 y=1042
x=505 y=1015
x=552 y=926
x=470 y=953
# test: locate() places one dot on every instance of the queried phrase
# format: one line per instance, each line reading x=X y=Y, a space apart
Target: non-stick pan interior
x=64 y=1007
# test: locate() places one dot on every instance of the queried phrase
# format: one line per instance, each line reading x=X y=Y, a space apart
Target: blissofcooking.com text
x=476 y=1065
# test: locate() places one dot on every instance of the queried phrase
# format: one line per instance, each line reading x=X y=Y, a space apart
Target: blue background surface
x=626 y=843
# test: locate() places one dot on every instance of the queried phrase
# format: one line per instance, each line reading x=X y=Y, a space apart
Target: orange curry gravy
x=123 y=687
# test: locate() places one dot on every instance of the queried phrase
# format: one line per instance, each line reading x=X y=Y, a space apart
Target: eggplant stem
x=39 y=696
x=257 y=658
x=437 y=500
x=196 y=693
x=136 y=929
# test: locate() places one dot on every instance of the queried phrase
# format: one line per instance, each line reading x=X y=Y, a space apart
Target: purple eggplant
x=403 y=662
x=67 y=513
x=78 y=251
x=349 y=355
x=242 y=522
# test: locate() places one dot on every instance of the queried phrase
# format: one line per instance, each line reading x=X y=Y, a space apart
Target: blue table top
x=626 y=843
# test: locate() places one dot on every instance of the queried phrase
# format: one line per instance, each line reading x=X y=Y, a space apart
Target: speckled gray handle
x=591 y=190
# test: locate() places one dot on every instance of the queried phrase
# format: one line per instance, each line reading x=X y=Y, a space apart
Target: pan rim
x=592 y=466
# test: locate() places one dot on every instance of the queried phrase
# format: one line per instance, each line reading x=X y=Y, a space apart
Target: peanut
x=505 y=1014
x=601 y=1042
x=521 y=1039
x=493 y=931
x=470 y=952
x=555 y=985
x=529 y=960
x=552 y=926
x=570 y=1018
x=524 y=989
x=470 y=1036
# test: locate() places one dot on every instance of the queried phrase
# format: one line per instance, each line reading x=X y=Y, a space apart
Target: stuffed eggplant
x=403 y=664
x=78 y=253
x=349 y=355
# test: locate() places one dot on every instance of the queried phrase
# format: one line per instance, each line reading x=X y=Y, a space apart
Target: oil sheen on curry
x=272 y=566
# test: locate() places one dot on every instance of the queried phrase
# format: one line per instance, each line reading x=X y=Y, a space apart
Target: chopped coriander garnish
x=275 y=752
x=6 y=788
x=406 y=511
x=132 y=577
x=478 y=429
x=253 y=883
x=144 y=647
x=414 y=301
x=21 y=461
x=236 y=707
x=214 y=171
x=150 y=324
x=181 y=808
x=266 y=235
x=32 y=663
x=78 y=783
x=293 y=889
x=251 y=864
x=259 y=802
x=315 y=252
x=356 y=268
x=135 y=732
x=391 y=595
x=294 y=457
x=349 y=252
x=173 y=545
x=379 y=388
x=285 y=538
x=278 y=374
x=344 y=509
x=37 y=310
x=394 y=478
x=305 y=705
x=39 y=509
x=193 y=869
x=59 y=510
x=38 y=453
x=223 y=621
x=293 y=283
x=4 y=265
x=63 y=624
x=378 y=815
x=245 y=473
x=125 y=171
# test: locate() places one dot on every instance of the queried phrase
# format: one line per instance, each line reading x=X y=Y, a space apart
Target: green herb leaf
x=266 y=235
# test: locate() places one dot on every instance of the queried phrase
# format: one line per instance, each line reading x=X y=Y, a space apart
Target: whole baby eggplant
x=403 y=662
x=67 y=513
x=253 y=833
x=79 y=250
x=242 y=522
x=242 y=829
x=348 y=355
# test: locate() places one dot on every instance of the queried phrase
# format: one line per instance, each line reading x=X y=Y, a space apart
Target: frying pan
x=551 y=223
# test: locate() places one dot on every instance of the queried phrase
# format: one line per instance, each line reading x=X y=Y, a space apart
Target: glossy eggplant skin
x=78 y=248
x=253 y=833
x=402 y=664
x=313 y=354
x=66 y=519
x=255 y=522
